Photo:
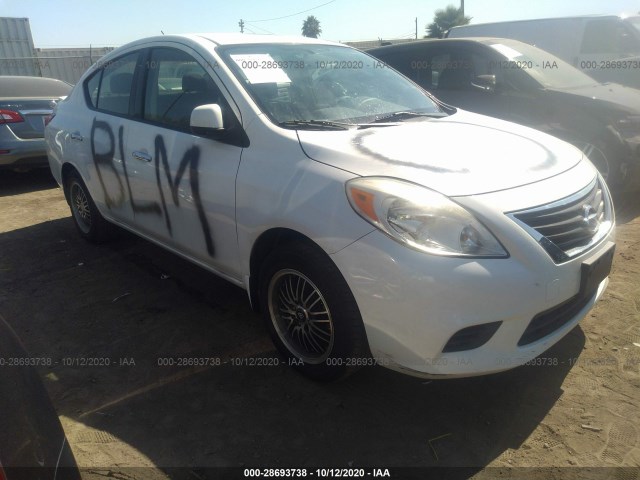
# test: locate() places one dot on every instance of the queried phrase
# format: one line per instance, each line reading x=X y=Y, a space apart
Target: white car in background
x=368 y=222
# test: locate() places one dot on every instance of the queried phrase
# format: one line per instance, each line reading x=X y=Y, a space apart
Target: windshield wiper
x=316 y=125
x=396 y=116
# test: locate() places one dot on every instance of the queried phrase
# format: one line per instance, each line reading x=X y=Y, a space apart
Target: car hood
x=617 y=97
x=463 y=154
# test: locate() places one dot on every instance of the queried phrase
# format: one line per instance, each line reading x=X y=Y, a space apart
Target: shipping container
x=17 y=53
x=68 y=64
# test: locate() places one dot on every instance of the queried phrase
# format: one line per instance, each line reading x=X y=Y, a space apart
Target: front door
x=182 y=185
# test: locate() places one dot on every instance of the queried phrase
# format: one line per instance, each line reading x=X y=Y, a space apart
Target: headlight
x=421 y=218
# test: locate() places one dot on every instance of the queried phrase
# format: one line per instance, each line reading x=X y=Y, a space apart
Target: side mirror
x=486 y=83
x=207 y=120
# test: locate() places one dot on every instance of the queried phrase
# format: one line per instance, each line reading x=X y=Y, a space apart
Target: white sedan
x=369 y=222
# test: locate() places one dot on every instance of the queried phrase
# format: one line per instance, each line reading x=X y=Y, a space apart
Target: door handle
x=77 y=137
x=142 y=156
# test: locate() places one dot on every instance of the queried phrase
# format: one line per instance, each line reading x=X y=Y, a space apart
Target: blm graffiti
x=188 y=164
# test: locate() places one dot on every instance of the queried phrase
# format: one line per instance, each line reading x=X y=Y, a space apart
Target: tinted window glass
x=414 y=63
x=440 y=69
x=176 y=84
x=115 y=87
x=93 y=87
x=608 y=36
x=542 y=67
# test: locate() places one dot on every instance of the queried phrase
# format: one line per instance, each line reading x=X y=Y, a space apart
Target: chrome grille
x=572 y=225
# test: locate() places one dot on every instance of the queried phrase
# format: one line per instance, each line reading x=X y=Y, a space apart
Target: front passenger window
x=176 y=84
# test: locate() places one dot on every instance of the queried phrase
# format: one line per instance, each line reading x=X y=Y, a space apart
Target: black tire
x=606 y=158
x=311 y=314
x=86 y=217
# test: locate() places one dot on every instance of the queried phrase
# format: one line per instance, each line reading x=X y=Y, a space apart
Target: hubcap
x=301 y=316
x=80 y=206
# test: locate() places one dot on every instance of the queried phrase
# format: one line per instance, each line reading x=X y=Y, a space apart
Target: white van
x=606 y=47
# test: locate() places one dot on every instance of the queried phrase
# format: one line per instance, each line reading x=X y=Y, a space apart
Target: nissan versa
x=369 y=222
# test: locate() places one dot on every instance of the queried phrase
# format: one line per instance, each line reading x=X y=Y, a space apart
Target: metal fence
x=68 y=64
x=18 y=56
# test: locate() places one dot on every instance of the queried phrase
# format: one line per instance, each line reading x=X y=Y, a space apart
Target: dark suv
x=514 y=81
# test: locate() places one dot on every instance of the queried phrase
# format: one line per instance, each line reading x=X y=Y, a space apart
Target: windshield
x=545 y=68
x=322 y=83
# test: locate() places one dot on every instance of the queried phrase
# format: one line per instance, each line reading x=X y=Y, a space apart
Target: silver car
x=25 y=104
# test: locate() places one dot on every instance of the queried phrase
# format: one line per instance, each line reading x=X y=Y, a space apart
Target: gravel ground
x=129 y=305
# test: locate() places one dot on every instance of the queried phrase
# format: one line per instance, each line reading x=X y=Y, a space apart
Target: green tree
x=311 y=27
x=444 y=20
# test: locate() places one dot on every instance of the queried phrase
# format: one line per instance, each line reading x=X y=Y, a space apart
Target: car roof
x=236 y=39
x=241 y=38
x=32 y=87
x=401 y=47
x=572 y=17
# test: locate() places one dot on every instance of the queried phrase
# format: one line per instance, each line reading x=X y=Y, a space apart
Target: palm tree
x=444 y=20
x=311 y=27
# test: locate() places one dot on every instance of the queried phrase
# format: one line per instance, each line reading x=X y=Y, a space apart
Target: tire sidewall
x=330 y=283
x=98 y=230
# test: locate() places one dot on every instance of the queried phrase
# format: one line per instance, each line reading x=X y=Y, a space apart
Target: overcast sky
x=77 y=23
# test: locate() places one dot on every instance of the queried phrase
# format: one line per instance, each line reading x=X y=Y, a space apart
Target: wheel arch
x=66 y=170
x=267 y=242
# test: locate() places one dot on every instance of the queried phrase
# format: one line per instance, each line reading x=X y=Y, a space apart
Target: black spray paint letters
x=190 y=160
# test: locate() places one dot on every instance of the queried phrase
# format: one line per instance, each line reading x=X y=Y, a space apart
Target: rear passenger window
x=176 y=84
x=110 y=89
x=93 y=87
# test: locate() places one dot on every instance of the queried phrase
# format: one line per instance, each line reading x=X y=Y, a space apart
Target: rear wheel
x=311 y=314
x=91 y=225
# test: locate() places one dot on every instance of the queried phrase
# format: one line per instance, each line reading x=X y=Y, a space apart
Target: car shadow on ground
x=15 y=183
x=136 y=310
x=627 y=206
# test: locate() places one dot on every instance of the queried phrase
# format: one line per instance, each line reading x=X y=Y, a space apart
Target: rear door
x=98 y=135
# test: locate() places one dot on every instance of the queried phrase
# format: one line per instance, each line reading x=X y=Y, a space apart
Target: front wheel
x=311 y=314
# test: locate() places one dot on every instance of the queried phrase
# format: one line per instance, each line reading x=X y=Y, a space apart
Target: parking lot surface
x=156 y=363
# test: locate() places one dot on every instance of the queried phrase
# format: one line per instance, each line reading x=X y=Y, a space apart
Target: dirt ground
x=131 y=305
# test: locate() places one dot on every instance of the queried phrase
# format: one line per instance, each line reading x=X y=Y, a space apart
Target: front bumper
x=413 y=304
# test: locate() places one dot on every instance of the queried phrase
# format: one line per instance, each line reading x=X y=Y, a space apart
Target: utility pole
x=416 y=28
x=462 y=7
x=241 y=25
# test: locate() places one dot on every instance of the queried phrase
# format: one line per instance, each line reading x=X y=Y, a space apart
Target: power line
x=263 y=29
x=292 y=15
